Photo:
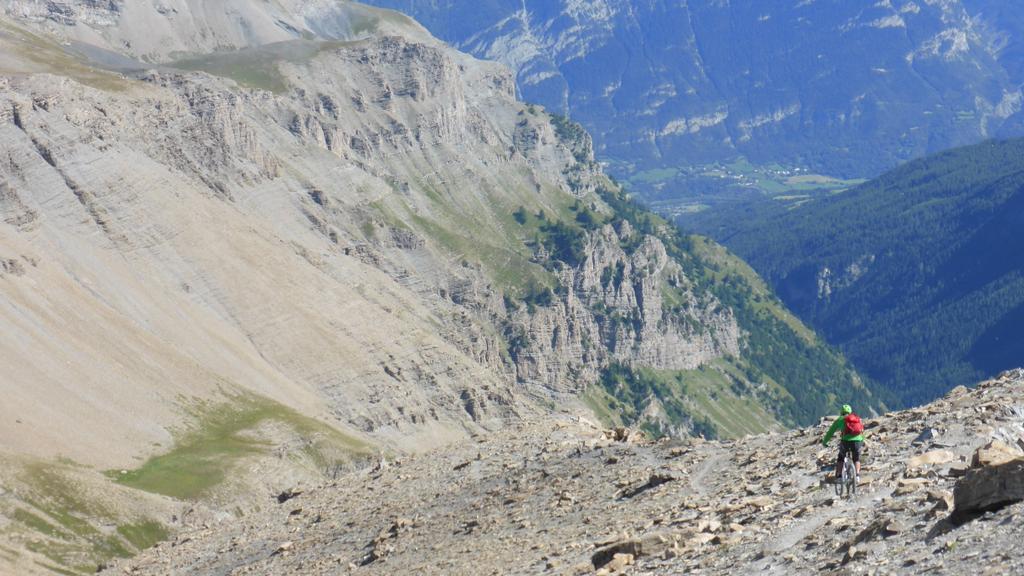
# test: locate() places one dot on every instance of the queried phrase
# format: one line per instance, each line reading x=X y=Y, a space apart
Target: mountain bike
x=846 y=479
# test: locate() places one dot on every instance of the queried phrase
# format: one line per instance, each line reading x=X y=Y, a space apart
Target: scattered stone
x=894 y=527
x=943 y=499
x=854 y=553
x=723 y=540
x=926 y=435
x=656 y=479
x=910 y=485
x=761 y=502
x=729 y=508
x=288 y=495
x=700 y=539
x=656 y=543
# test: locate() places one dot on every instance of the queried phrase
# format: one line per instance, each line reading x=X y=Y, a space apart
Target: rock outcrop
x=614 y=310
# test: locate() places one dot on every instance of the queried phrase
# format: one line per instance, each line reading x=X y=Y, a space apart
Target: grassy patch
x=30 y=53
x=144 y=534
x=258 y=67
x=504 y=257
x=713 y=401
x=224 y=435
x=368 y=20
x=37 y=523
x=65 y=523
x=605 y=407
x=249 y=68
x=9 y=554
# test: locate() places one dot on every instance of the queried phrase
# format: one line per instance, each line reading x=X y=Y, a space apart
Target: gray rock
x=988 y=489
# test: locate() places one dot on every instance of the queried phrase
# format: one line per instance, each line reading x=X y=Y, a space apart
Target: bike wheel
x=850 y=477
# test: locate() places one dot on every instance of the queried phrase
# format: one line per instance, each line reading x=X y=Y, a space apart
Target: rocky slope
x=224 y=272
x=940 y=493
x=843 y=88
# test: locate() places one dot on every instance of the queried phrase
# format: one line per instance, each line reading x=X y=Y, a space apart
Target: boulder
x=931 y=458
x=656 y=543
x=605 y=555
x=617 y=563
x=760 y=502
x=623 y=434
x=956 y=470
x=910 y=485
x=988 y=489
x=994 y=453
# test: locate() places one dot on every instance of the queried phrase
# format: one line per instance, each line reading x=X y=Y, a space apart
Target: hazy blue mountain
x=675 y=90
x=918 y=275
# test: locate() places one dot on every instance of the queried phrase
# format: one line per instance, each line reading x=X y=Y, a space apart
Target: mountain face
x=916 y=275
x=674 y=90
x=249 y=244
x=582 y=502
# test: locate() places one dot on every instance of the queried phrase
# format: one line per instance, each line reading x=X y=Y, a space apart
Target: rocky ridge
x=566 y=497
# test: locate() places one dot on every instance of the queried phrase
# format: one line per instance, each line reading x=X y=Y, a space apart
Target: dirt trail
x=717 y=461
x=865 y=500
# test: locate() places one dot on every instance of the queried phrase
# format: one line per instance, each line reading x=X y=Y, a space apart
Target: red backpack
x=854 y=427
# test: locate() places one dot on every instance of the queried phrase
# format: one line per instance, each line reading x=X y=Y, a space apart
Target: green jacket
x=835 y=427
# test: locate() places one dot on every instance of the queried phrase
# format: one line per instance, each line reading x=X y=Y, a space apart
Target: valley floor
x=565 y=497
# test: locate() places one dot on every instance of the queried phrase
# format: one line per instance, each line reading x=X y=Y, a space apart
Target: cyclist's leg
x=855 y=449
x=839 y=460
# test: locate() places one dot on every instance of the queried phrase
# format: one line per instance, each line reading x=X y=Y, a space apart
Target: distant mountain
x=918 y=275
x=670 y=89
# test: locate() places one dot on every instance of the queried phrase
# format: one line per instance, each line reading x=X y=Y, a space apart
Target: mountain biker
x=852 y=440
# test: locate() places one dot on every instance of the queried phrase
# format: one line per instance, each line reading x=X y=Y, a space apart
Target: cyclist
x=853 y=437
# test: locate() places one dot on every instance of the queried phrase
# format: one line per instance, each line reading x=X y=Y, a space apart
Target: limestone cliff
x=349 y=232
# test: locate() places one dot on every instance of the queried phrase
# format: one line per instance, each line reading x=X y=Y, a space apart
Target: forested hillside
x=916 y=275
